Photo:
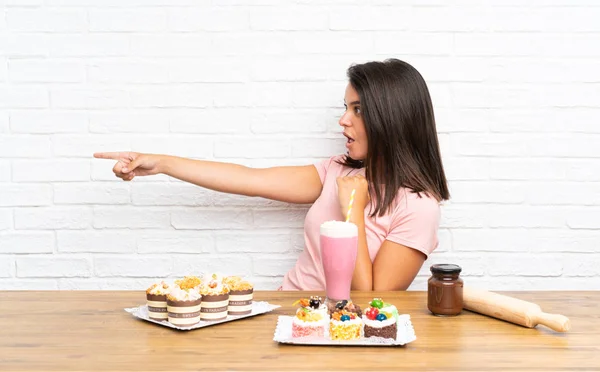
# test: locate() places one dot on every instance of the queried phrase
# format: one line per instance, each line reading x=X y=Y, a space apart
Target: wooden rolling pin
x=512 y=310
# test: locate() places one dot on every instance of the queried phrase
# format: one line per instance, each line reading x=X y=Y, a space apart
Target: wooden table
x=90 y=331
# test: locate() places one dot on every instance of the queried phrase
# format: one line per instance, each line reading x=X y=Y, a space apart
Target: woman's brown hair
x=403 y=148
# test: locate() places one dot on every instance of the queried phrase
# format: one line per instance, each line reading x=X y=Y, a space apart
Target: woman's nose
x=344 y=122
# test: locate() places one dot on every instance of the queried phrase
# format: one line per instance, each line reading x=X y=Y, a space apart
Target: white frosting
x=159 y=289
x=322 y=309
x=390 y=309
x=339 y=229
x=183 y=295
x=212 y=284
x=214 y=288
x=354 y=321
x=377 y=323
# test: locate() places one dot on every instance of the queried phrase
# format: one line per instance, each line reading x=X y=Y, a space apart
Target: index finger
x=110 y=155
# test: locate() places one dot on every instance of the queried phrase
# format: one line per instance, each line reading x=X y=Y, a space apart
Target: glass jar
x=445 y=290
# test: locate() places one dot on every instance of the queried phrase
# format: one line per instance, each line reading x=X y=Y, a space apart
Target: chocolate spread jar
x=445 y=290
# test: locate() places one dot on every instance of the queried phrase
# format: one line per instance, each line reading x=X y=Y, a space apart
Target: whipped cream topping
x=339 y=229
x=355 y=321
x=377 y=323
x=179 y=294
x=161 y=288
x=236 y=283
x=213 y=285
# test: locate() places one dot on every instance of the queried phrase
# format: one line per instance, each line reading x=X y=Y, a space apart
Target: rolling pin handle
x=556 y=322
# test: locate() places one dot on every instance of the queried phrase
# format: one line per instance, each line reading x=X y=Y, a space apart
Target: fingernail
x=124 y=170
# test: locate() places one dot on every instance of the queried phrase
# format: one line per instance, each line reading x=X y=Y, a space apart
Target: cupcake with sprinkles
x=345 y=325
x=311 y=318
x=156 y=297
x=240 y=295
x=380 y=320
x=215 y=298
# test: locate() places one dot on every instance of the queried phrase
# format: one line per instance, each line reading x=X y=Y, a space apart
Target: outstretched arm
x=292 y=184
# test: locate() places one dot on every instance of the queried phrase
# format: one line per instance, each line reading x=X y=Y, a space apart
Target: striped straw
x=350 y=205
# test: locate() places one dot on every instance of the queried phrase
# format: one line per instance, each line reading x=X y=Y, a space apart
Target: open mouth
x=350 y=139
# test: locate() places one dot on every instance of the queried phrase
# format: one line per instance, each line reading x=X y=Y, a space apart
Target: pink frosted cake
x=311 y=318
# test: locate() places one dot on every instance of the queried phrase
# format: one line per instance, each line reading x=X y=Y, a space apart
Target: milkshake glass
x=339 y=247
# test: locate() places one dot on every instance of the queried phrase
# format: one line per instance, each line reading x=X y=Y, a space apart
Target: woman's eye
x=357 y=110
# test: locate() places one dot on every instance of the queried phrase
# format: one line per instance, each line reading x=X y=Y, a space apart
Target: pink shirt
x=413 y=223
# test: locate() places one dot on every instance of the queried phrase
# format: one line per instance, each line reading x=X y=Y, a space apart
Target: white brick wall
x=516 y=92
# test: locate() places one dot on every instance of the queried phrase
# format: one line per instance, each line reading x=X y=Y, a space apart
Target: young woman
x=393 y=162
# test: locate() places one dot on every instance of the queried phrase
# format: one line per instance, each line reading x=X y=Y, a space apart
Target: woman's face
x=354 y=126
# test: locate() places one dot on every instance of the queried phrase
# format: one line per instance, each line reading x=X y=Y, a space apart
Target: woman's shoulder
x=330 y=167
x=334 y=163
x=410 y=202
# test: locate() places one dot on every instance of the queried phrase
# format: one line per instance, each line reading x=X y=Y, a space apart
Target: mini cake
x=183 y=306
x=215 y=298
x=240 y=295
x=311 y=318
x=344 y=305
x=380 y=320
x=345 y=325
x=156 y=296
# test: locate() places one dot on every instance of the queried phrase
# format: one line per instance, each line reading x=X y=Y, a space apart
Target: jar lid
x=445 y=269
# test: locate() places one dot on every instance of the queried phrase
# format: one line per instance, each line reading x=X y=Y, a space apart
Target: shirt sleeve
x=415 y=222
x=324 y=166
